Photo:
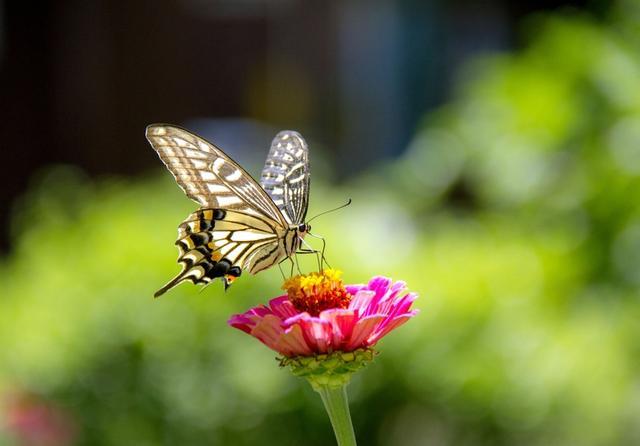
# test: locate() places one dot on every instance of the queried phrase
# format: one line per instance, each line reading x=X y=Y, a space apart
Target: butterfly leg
x=280 y=268
x=323 y=260
x=292 y=266
x=297 y=264
x=310 y=250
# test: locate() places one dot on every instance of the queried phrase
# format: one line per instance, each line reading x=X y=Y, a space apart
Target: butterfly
x=241 y=224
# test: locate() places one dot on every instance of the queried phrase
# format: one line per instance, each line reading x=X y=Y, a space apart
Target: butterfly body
x=241 y=225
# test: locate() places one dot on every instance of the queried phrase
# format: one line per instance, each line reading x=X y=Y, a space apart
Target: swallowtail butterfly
x=241 y=224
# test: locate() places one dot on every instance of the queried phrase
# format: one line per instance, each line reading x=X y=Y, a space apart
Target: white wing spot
x=181 y=142
x=195 y=154
x=199 y=164
x=235 y=176
x=233 y=255
x=247 y=236
x=217 y=165
x=217 y=188
x=204 y=147
x=194 y=256
x=226 y=248
x=225 y=201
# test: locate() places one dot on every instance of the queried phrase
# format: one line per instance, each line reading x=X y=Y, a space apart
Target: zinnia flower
x=319 y=314
x=325 y=332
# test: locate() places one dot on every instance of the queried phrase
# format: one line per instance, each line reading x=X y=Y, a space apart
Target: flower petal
x=292 y=342
x=362 y=301
x=282 y=307
x=241 y=322
x=384 y=328
x=353 y=289
x=375 y=309
x=268 y=330
x=362 y=330
x=342 y=323
x=316 y=332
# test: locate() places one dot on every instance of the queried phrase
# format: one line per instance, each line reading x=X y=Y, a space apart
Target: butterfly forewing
x=286 y=175
x=207 y=175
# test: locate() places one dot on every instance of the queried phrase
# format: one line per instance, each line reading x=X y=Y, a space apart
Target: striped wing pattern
x=239 y=226
x=207 y=175
x=286 y=175
x=218 y=243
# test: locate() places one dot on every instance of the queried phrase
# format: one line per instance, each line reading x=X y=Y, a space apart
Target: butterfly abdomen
x=201 y=260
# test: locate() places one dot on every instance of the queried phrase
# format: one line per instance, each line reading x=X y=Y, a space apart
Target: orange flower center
x=316 y=292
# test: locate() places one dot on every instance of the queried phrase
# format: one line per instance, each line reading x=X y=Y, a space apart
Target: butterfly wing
x=207 y=175
x=218 y=243
x=238 y=227
x=286 y=175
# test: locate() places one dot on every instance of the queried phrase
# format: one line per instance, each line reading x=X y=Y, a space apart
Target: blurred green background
x=514 y=213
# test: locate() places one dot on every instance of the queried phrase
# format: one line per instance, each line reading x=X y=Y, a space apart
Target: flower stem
x=337 y=405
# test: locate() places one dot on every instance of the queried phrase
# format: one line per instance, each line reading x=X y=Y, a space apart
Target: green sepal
x=330 y=369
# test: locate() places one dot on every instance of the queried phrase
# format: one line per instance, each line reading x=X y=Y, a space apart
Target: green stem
x=337 y=405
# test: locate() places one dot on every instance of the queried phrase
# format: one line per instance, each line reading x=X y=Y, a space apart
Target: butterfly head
x=303 y=228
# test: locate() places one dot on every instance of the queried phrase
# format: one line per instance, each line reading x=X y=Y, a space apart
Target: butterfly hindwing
x=218 y=243
x=286 y=175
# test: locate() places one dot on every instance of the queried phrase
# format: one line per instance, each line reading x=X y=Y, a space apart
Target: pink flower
x=32 y=420
x=321 y=315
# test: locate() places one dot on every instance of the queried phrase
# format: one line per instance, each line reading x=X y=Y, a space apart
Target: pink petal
x=375 y=309
x=282 y=307
x=361 y=301
x=342 y=323
x=399 y=307
x=292 y=342
x=241 y=322
x=268 y=331
x=406 y=301
x=387 y=326
x=353 y=289
x=395 y=289
x=259 y=311
x=362 y=330
x=316 y=332
x=380 y=285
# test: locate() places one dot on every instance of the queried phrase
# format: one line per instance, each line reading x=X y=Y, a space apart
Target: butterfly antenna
x=330 y=210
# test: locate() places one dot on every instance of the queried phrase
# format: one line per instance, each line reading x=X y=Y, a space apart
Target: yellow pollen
x=316 y=292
